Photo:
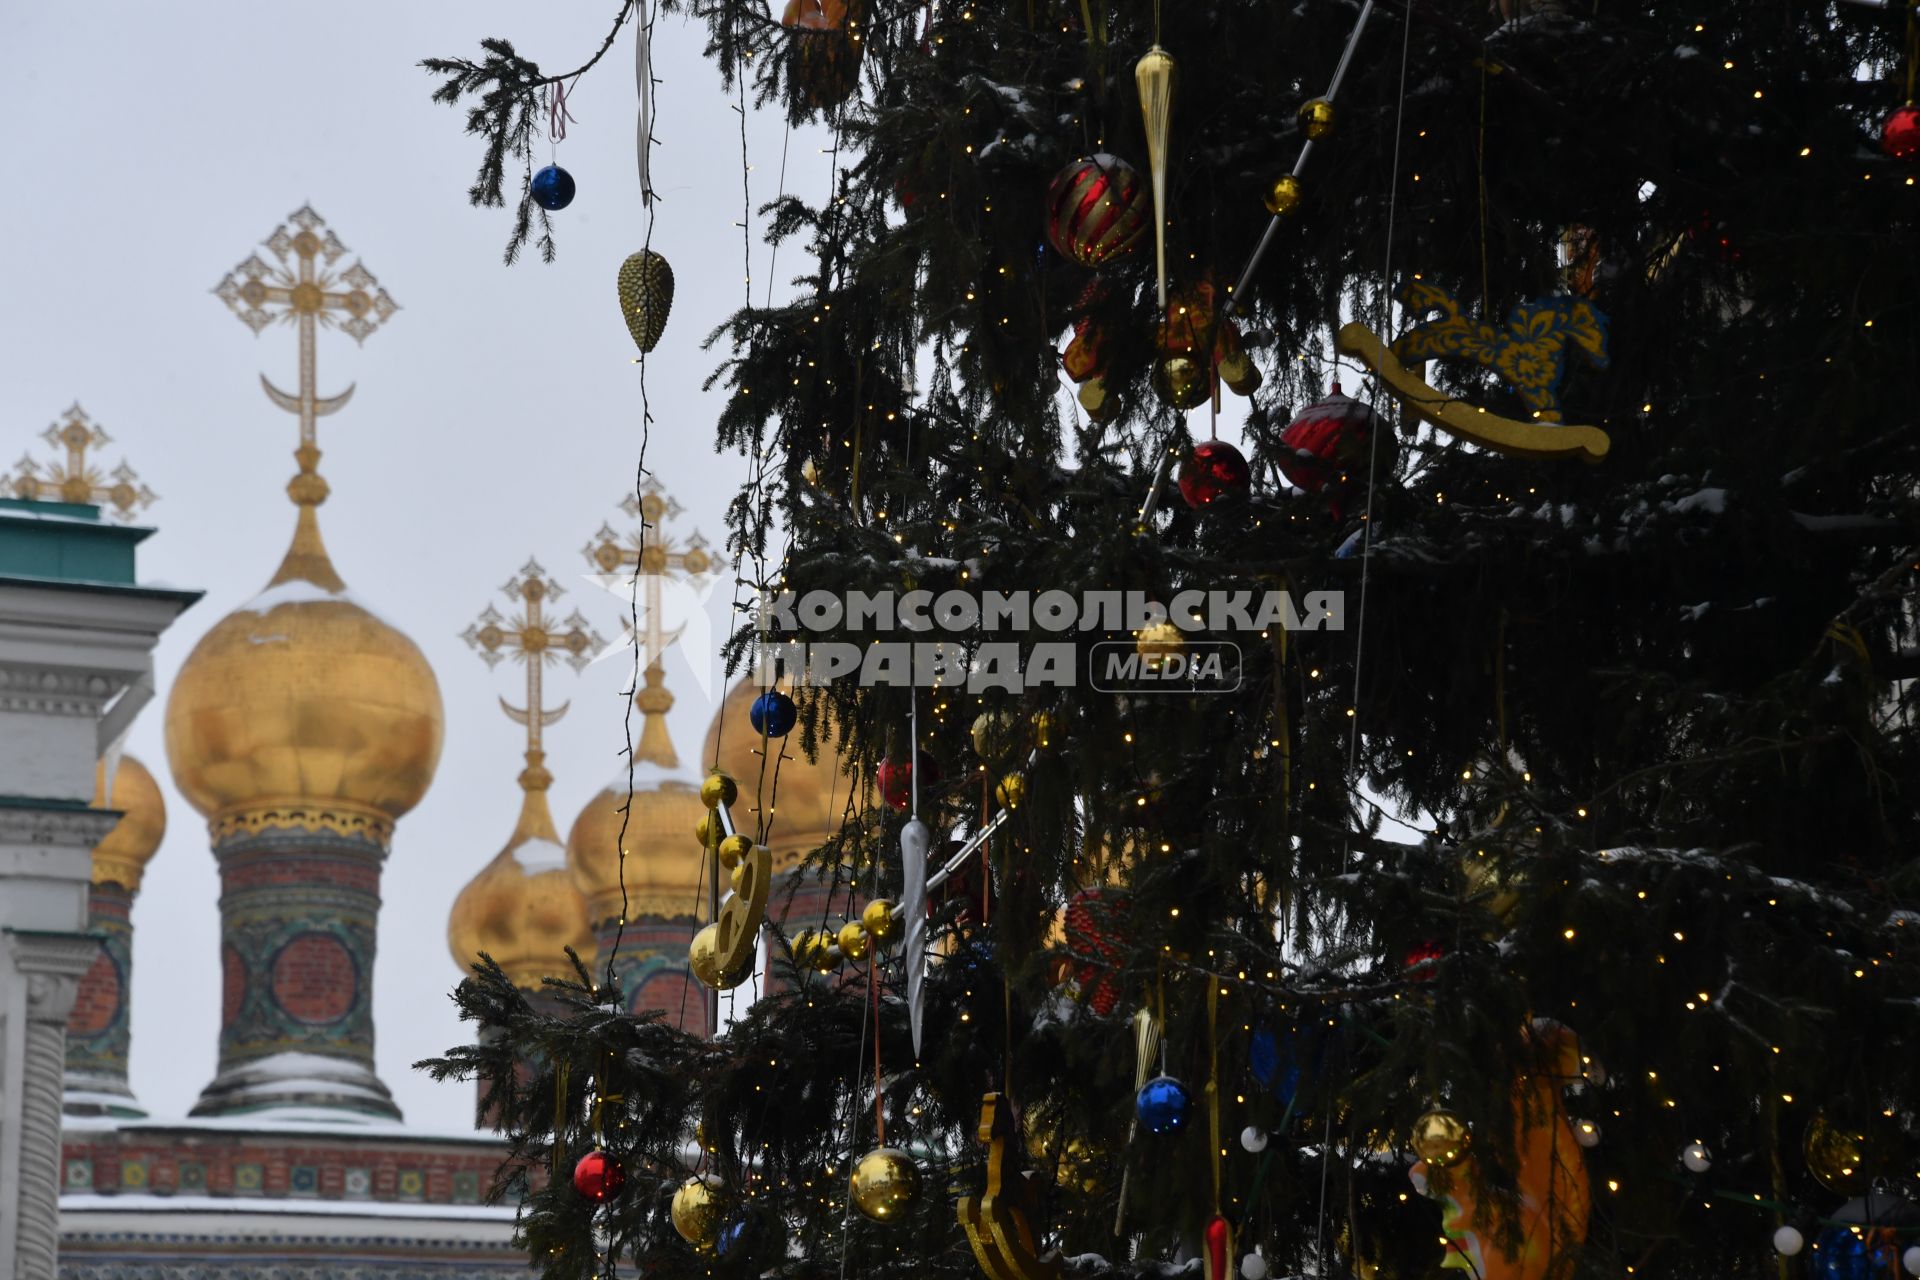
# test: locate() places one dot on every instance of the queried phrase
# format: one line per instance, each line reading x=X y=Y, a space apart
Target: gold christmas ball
x=1285 y=195
x=803 y=949
x=1101 y=402
x=1317 y=118
x=1241 y=374
x=1044 y=724
x=734 y=848
x=1839 y=1154
x=717 y=790
x=1160 y=640
x=1440 y=1138
x=854 y=943
x=703 y=956
x=703 y=830
x=1181 y=381
x=878 y=918
x=814 y=949
x=885 y=1182
x=696 y=1213
x=737 y=876
x=993 y=734
x=1484 y=883
x=1012 y=791
x=1074 y=1165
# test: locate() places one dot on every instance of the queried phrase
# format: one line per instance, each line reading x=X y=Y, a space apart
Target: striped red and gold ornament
x=1326 y=442
x=1096 y=210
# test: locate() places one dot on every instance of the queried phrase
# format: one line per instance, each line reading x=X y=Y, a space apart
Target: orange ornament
x=1555 y=1199
x=1083 y=357
x=818 y=15
x=1192 y=322
x=827 y=43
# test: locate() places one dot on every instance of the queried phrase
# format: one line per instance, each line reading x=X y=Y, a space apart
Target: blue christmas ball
x=975 y=957
x=1857 y=1253
x=773 y=714
x=553 y=188
x=1272 y=1062
x=1263 y=1055
x=1163 y=1105
x=730 y=1237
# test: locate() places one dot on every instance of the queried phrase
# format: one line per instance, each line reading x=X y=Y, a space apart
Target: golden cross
x=77 y=480
x=304 y=290
x=654 y=558
x=534 y=639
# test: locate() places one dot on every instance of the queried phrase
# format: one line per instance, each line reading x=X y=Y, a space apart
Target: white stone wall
x=75 y=665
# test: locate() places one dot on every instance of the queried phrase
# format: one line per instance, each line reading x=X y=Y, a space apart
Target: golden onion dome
x=808 y=798
x=523 y=909
x=122 y=855
x=303 y=707
x=663 y=863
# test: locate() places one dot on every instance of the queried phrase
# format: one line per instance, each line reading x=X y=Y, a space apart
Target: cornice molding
x=61 y=827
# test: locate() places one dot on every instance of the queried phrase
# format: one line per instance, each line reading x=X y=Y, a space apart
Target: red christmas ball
x=1900 y=136
x=1326 y=442
x=964 y=894
x=1095 y=924
x=1096 y=210
x=1423 y=959
x=896 y=780
x=599 y=1176
x=1212 y=470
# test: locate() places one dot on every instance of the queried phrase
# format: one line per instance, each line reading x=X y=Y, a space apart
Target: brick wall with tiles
x=651 y=966
x=159 y=1160
x=97 y=1031
x=802 y=900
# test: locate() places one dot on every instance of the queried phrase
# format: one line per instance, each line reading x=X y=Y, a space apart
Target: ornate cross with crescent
x=534 y=639
x=305 y=291
x=654 y=556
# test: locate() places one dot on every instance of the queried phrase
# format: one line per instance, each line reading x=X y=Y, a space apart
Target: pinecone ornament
x=646 y=295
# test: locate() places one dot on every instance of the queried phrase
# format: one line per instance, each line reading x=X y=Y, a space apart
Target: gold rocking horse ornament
x=997 y=1222
x=1528 y=353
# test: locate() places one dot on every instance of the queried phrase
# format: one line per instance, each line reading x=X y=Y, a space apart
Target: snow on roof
x=345 y=1125
x=301 y=591
x=648 y=776
x=539 y=854
x=85 y=1206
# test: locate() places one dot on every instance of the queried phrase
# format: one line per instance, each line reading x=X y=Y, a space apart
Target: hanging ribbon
x=1146 y=1050
x=1213 y=1085
x=558 y=117
x=559 y=1121
x=1217 y=1240
x=643 y=81
x=873 y=993
x=915 y=839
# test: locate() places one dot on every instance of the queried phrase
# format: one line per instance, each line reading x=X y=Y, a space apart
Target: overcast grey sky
x=496 y=417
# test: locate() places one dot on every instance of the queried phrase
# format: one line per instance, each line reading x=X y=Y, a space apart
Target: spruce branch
x=506 y=89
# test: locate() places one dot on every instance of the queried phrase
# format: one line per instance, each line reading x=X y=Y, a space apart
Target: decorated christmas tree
x=1500 y=853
